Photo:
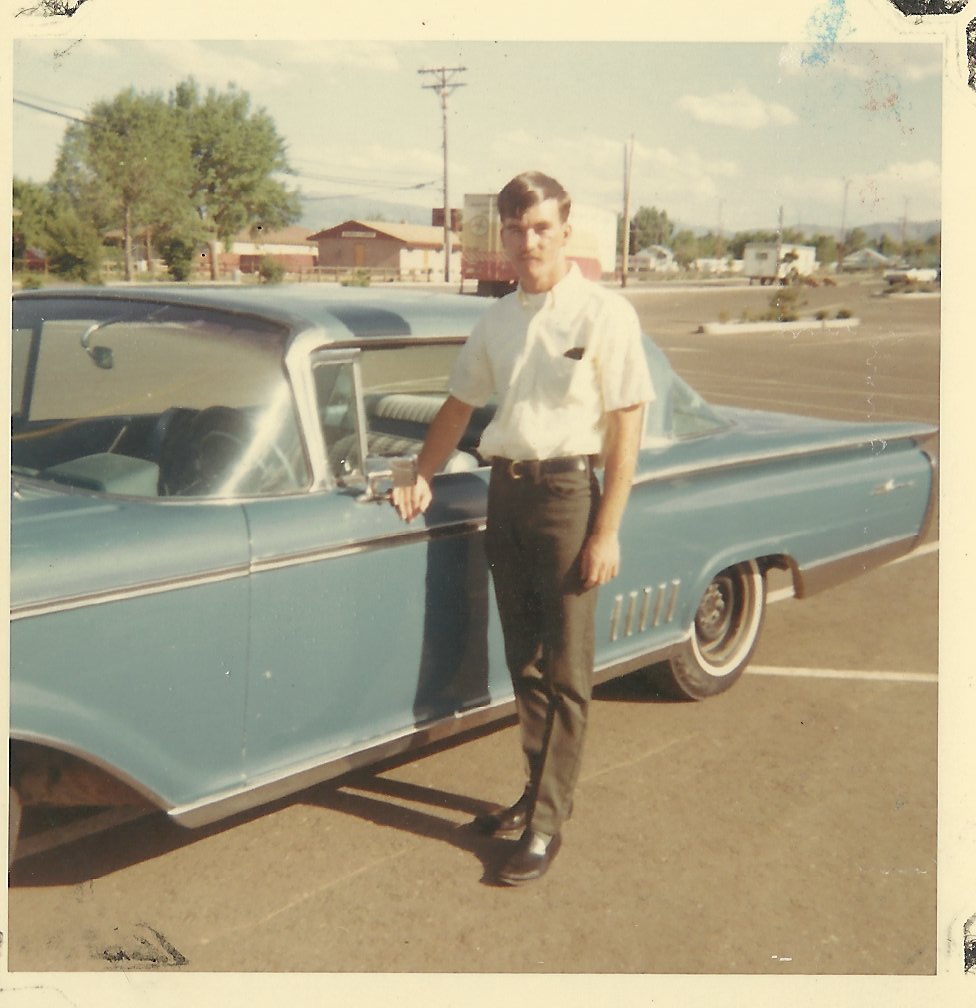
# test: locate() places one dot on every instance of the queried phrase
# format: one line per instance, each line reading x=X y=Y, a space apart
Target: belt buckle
x=512 y=471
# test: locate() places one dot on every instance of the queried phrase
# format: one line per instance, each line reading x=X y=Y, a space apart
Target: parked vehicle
x=213 y=605
x=770 y=263
x=592 y=244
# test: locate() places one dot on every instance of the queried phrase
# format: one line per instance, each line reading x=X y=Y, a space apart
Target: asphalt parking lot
x=786 y=827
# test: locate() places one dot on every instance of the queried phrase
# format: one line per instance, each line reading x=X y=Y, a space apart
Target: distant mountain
x=319 y=214
x=918 y=230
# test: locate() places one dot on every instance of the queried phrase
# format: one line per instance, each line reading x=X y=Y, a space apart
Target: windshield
x=145 y=399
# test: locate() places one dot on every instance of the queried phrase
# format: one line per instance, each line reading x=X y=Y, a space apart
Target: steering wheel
x=205 y=458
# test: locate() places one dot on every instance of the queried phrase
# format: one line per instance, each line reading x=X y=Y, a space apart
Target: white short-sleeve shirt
x=558 y=363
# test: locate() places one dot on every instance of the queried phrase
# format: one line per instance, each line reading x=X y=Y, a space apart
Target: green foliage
x=784 y=305
x=127 y=168
x=272 y=270
x=32 y=205
x=76 y=250
x=28 y=281
x=685 y=248
x=650 y=226
x=855 y=240
x=179 y=254
x=844 y=313
x=173 y=172
x=235 y=153
x=826 y=246
x=360 y=278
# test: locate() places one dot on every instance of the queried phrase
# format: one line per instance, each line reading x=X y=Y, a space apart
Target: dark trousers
x=535 y=535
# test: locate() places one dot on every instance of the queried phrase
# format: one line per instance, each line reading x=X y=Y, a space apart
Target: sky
x=723 y=134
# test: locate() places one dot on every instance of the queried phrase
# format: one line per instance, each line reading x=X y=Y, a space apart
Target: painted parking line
x=804 y=673
x=111 y=818
x=809 y=673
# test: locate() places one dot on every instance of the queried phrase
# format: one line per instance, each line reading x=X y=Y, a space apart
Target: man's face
x=535 y=243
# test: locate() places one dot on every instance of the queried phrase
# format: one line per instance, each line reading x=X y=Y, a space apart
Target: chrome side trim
x=934 y=492
x=120 y=594
x=124 y=593
x=274 y=786
x=845 y=566
x=304 y=775
x=753 y=458
x=404 y=538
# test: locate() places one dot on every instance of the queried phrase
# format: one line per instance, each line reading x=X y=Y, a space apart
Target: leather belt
x=534 y=468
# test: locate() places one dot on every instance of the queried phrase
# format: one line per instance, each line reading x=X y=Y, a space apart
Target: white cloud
x=738 y=109
x=592 y=169
x=901 y=189
x=253 y=66
x=912 y=63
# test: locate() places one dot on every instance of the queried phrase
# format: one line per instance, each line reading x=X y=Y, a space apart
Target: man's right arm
x=443 y=436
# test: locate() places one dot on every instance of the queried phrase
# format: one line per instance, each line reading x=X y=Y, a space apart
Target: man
x=563 y=357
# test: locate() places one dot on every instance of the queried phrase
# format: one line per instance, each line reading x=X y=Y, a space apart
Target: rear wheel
x=724 y=634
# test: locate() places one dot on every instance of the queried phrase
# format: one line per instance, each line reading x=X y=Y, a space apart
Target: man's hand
x=443 y=437
x=412 y=501
x=600 y=559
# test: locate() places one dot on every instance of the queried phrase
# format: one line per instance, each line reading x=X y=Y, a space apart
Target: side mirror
x=393 y=470
x=101 y=355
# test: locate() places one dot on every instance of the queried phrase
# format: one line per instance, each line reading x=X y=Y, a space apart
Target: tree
x=856 y=240
x=650 y=226
x=32 y=208
x=740 y=239
x=826 y=246
x=75 y=246
x=685 y=248
x=887 y=246
x=127 y=167
x=235 y=154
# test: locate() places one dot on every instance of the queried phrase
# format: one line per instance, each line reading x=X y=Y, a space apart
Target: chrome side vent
x=646 y=608
x=618 y=602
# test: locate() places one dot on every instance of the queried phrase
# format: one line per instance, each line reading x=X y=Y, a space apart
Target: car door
x=363 y=627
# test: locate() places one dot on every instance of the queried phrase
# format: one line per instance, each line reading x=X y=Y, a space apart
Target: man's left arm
x=601 y=552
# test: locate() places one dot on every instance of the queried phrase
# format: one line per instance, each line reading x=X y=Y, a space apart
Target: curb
x=800 y=325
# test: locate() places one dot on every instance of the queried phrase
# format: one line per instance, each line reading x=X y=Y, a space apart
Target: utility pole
x=625 y=250
x=719 y=242
x=843 y=228
x=445 y=85
x=779 y=242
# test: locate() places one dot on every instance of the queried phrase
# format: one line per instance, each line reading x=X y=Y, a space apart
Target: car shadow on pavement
x=386 y=802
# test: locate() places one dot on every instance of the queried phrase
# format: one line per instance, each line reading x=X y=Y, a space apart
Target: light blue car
x=213 y=604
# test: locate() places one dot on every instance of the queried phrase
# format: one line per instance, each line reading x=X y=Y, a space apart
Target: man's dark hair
x=528 y=189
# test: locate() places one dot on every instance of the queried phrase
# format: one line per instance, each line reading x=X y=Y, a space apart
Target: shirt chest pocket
x=566 y=380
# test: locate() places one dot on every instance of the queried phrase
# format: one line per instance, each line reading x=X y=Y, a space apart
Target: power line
x=49 y=111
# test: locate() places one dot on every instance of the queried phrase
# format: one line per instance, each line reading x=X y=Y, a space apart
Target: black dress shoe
x=532 y=857
x=510 y=820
